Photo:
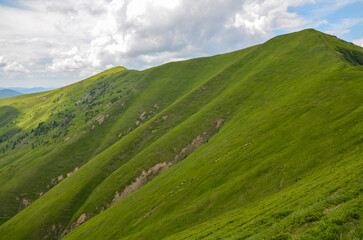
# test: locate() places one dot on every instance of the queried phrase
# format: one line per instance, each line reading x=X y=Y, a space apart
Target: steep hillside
x=260 y=143
x=46 y=136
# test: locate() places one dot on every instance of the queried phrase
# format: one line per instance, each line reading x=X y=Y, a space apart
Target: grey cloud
x=194 y=25
x=83 y=37
x=2 y=62
x=12 y=66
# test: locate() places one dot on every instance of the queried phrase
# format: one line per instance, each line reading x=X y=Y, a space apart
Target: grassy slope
x=290 y=113
x=177 y=79
x=310 y=120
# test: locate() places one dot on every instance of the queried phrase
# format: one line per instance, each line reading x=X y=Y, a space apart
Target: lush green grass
x=284 y=163
x=325 y=205
x=27 y=172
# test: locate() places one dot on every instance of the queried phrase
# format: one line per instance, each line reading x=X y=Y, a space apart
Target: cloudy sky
x=52 y=43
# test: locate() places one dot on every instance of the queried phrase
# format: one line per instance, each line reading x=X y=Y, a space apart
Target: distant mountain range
x=27 y=90
x=16 y=91
x=6 y=93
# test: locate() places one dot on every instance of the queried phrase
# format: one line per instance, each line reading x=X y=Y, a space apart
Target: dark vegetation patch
x=354 y=57
x=7 y=115
x=87 y=104
x=8 y=128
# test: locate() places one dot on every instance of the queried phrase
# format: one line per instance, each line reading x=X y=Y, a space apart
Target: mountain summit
x=260 y=143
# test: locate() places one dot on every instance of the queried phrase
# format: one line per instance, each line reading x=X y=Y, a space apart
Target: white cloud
x=16 y=67
x=262 y=17
x=344 y=26
x=73 y=39
x=358 y=42
x=2 y=62
x=13 y=67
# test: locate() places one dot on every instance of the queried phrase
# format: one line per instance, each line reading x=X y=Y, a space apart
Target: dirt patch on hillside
x=196 y=143
x=142 y=116
x=74 y=225
x=81 y=219
x=25 y=202
x=56 y=180
x=22 y=201
x=70 y=173
x=219 y=123
x=100 y=119
x=141 y=180
x=43 y=98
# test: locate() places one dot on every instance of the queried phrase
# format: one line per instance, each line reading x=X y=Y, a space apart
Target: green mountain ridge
x=264 y=142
